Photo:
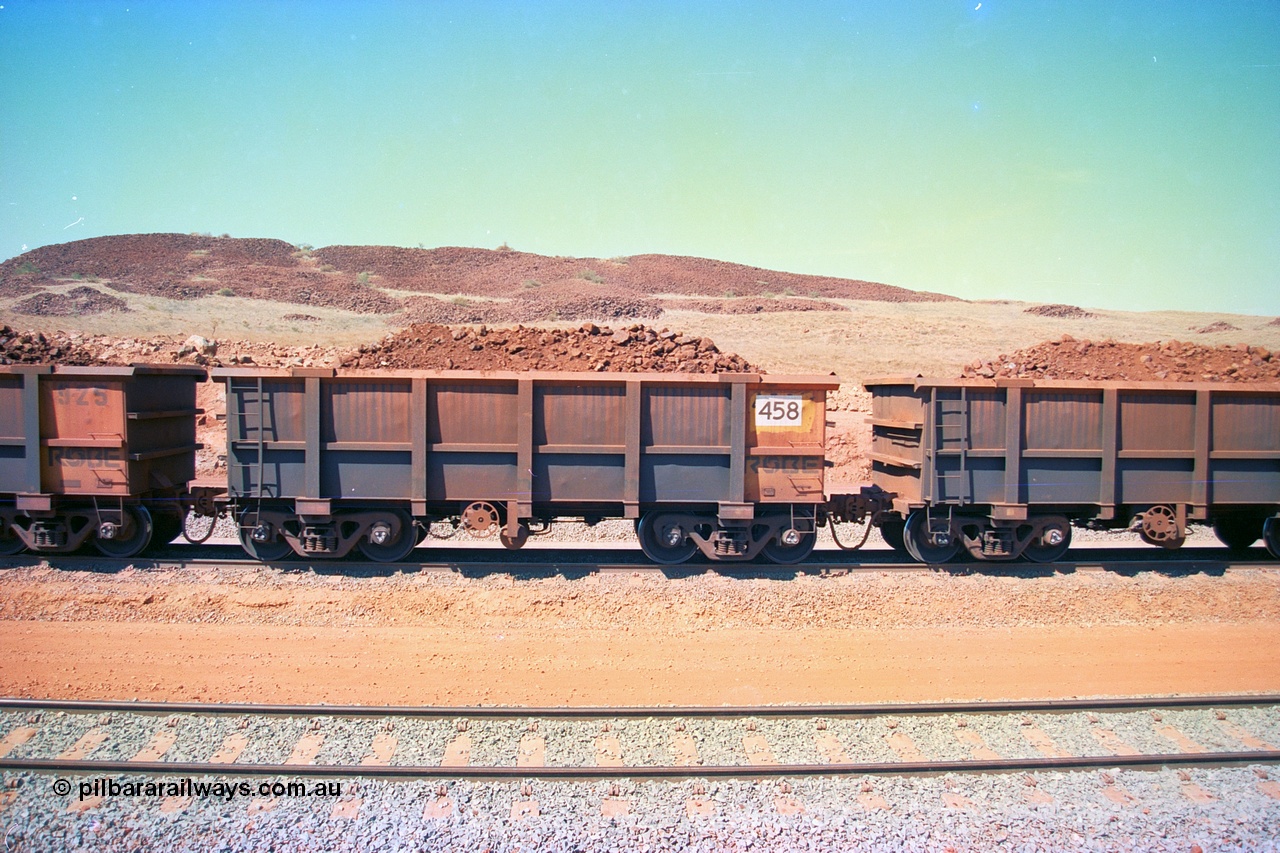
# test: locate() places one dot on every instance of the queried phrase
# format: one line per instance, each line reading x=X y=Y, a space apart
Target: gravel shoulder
x=434 y=638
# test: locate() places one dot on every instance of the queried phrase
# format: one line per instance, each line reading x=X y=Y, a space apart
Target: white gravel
x=995 y=813
x=964 y=811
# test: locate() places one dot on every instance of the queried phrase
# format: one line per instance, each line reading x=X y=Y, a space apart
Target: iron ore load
x=322 y=463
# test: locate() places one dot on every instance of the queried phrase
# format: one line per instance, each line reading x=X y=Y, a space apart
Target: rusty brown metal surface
x=550 y=438
x=1099 y=445
x=97 y=431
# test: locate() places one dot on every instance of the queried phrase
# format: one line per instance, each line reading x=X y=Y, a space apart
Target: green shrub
x=592 y=275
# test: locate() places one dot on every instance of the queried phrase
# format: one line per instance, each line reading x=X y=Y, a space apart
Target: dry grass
x=215 y=317
x=876 y=339
x=872 y=339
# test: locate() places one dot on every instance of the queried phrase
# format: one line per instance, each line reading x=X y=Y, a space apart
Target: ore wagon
x=95 y=454
x=321 y=461
x=1003 y=468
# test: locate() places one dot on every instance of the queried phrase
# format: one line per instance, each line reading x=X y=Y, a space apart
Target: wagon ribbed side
x=996 y=466
x=321 y=460
x=95 y=453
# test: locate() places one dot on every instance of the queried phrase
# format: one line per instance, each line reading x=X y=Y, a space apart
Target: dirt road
x=257 y=635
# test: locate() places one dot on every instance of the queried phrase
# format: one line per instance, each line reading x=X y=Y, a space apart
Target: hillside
x=440 y=285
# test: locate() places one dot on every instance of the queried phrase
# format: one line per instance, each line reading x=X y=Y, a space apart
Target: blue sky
x=1115 y=154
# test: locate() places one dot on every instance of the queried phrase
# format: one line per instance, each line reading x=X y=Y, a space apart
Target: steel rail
x=1122 y=703
x=743 y=771
x=1141 y=562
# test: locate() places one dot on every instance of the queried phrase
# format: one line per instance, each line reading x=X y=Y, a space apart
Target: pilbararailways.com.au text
x=194 y=788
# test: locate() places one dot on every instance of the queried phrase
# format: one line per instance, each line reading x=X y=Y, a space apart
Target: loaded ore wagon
x=95 y=454
x=1003 y=469
x=323 y=461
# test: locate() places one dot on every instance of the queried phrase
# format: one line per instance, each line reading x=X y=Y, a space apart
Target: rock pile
x=1061 y=312
x=1216 y=326
x=78 y=300
x=38 y=348
x=536 y=304
x=750 y=306
x=631 y=348
x=1167 y=361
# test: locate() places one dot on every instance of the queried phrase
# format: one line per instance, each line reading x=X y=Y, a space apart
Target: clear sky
x=1117 y=154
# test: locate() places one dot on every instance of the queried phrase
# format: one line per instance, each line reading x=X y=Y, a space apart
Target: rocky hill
x=457 y=285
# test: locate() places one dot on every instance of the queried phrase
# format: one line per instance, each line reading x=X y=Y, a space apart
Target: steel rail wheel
x=1271 y=536
x=10 y=542
x=891 y=532
x=399 y=537
x=664 y=539
x=1237 y=532
x=1052 y=543
x=921 y=543
x=141 y=528
x=273 y=547
x=168 y=527
x=785 y=553
x=521 y=537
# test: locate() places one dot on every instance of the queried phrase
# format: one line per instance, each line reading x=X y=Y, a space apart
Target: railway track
x=77 y=738
x=611 y=559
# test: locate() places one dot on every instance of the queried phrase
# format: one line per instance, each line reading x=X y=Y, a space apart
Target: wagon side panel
x=473 y=445
x=266 y=436
x=687 y=432
x=580 y=442
x=19 y=454
x=365 y=438
x=898 y=451
x=1244 y=459
x=786 y=444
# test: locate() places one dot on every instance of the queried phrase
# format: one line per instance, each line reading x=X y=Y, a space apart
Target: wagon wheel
x=1237 y=532
x=398 y=537
x=1160 y=527
x=10 y=542
x=1052 y=543
x=664 y=539
x=920 y=543
x=1271 y=536
x=141 y=528
x=168 y=525
x=521 y=537
x=274 y=548
x=197 y=528
x=891 y=532
x=777 y=550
